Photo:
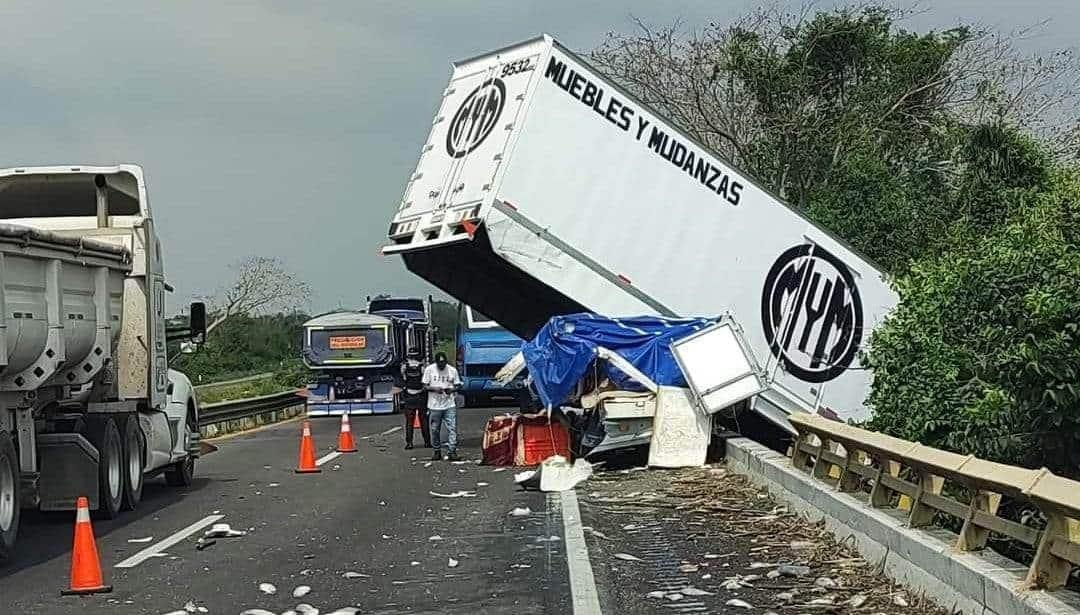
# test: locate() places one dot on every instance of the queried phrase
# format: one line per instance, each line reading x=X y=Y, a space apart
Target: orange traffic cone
x=306 y=464
x=345 y=442
x=416 y=419
x=85 y=567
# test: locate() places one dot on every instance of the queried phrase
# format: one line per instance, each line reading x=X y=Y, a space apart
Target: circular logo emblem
x=811 y=313
x=476 y=118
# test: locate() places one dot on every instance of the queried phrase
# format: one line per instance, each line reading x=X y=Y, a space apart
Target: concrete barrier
x=924 y=559
x=221 y=428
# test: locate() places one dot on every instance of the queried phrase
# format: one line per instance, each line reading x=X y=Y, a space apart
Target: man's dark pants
x=416 y=404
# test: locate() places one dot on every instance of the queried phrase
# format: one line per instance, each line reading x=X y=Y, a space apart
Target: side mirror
x=198 y=322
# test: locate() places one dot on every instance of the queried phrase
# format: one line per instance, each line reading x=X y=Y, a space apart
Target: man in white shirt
x=442 y=382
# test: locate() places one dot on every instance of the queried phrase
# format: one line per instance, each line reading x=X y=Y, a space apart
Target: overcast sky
x=287 y=129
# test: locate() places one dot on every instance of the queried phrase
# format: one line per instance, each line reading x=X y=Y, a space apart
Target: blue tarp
x=561 y=353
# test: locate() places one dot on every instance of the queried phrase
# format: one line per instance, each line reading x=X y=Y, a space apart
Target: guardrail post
x=799 y=457
x=851 y=481
x=922 y=515
x=1049 y=570
x=821 y=467
x=880 y=495
x=972 y=536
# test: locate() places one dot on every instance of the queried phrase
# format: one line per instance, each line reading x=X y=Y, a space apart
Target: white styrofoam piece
x=680 y=435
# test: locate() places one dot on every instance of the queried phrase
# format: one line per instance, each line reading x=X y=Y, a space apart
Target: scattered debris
x=414 y=563
x=825 y=582
x=597 y=533
x=301 y=591
x=306 y=609
x=739 y=604
x=452 y=563
x=674 y=596
x=693 y=591
x=336 y=467
x=657 y=594
x=899 y=600
x=427 y=465
x=435 y=538
x=456 y=494
x=256 y=612
x=271 y=485
x=521 y=477
x=628 y=558
x=141 y=540
x=521 y=512
x=201 y=544
x=558 y=474
x=356 y=575
x=222 y=530
x=856 y=601
x=482 y=484
x=688 y=568
x=499 y=470
x=790 y=570
x=267 y=588
x=348 y=610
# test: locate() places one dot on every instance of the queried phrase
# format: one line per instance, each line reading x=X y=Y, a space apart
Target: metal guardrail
x=853 y=459
x=224 y=383
x=242 y=408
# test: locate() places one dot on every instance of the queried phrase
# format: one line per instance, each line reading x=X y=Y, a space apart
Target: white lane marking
x=582 y=583
x=156 y=548
x=327 y=457
x=390 y=431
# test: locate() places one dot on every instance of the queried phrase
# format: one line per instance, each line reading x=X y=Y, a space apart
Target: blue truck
x=356 y=356
x=483 y=347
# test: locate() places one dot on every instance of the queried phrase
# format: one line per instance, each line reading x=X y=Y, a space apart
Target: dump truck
x=88 y=404
x=544 y=188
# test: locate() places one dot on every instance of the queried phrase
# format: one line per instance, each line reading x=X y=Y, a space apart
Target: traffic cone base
x=345 y=443
x=85 y=566
x=306 y=464
x=416 y=420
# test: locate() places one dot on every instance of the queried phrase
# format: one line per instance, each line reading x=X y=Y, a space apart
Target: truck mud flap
x=69 y=469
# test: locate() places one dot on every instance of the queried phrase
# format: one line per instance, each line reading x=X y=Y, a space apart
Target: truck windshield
x=383 y=305
x=359 y=345
x=64 y=195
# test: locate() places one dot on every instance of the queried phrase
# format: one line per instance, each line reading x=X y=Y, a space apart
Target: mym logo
x=476 y=118
x=811 y=313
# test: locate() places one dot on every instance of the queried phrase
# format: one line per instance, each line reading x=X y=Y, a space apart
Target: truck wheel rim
x=114 y=472
x=7 y=494
x=135 y=464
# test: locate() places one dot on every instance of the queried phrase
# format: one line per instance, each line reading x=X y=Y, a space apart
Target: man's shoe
x=437 y=456
x=409 y=446
x=452 y=456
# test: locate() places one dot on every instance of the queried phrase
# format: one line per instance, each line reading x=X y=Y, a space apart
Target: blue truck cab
x=483 y=347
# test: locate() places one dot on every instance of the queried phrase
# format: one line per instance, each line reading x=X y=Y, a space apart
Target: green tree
x=983 y=353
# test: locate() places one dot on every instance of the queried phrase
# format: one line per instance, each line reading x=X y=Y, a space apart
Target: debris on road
x=256 y=612
x=301 y=591
x=202 y=544
x=731 y=541
x=356 y=575
x=456 y=494
x=452 y=563
x=521 y=512
x=222 y=530
x=267 y=588
x=141 y=540
x=626 y=557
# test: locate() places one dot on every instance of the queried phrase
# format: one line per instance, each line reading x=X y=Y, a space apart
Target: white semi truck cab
x=88 y=404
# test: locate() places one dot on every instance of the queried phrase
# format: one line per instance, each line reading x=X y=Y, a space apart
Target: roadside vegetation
x=948 y=157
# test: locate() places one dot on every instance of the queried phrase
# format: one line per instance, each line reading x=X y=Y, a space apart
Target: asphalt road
x=365 y=533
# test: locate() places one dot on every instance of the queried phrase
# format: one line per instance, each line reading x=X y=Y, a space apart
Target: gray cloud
x=279 y=129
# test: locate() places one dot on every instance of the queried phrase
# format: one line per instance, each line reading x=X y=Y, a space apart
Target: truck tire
x=105 y=436
x=9 y=496
x=134 y=461
x=182 y=473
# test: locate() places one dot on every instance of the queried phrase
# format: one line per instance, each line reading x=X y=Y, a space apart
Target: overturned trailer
x=544 y=189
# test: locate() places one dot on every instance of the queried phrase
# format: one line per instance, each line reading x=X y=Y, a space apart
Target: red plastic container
x=537 y=440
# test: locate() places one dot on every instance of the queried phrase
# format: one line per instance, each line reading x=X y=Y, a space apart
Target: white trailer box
x=543 y=189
